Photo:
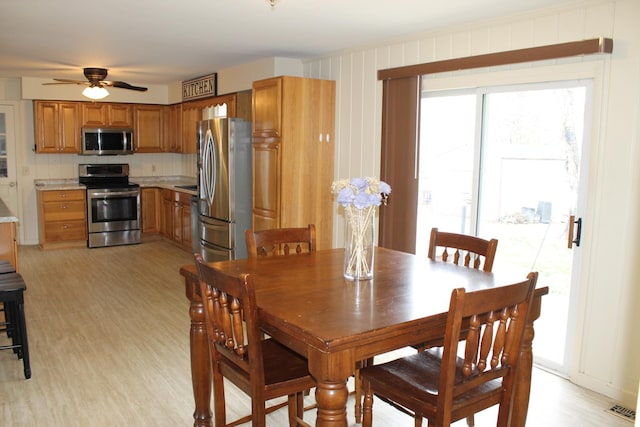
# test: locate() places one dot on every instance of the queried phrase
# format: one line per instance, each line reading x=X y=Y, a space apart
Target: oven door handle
x=100 y=193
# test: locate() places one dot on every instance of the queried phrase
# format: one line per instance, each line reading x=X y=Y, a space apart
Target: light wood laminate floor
x=109 y=342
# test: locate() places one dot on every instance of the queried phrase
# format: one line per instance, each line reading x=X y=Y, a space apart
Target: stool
x=12 y=289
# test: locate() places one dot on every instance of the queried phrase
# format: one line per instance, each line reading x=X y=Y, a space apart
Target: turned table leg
x=525 y=365
x=201 y=376
x=331 y=371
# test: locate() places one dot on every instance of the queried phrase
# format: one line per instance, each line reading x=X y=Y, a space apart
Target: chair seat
x=281 y=366
x=416 y=377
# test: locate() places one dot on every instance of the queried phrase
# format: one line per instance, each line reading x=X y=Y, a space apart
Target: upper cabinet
x=157 y=128
x=267 y=107
x=293 y=150
x=57 y=127
x=149 y=129
x=238 y=105
x=107 y=114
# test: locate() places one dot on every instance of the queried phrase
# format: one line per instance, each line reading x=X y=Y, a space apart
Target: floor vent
x=622 y=412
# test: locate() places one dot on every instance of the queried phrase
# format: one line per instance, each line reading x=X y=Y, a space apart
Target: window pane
x=3 y=126
x=447 y=127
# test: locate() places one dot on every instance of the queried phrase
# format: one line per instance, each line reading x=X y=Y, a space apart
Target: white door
x=505 y=163
x=8 y=183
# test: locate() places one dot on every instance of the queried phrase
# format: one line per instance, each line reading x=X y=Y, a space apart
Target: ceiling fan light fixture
x=95 y=92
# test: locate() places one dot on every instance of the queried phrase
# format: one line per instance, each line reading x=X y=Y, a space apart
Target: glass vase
x=358 y=251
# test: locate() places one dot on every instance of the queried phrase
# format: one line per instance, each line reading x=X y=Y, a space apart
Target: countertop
x=5 y=214
x=168 y=182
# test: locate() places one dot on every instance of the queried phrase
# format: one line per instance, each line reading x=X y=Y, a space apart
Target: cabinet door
x=8 y=245
x=167 y=214
x=267 y=108
x=185 y=204
x=148 y=128
x=266 y=185
x=173 y=135
x=94 y=114
x=150 y=206
x=120 y=115
x=191 y=115
x=69 y=115
x=47 y=126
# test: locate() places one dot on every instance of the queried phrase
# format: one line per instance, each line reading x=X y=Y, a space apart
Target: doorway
x=505 y=163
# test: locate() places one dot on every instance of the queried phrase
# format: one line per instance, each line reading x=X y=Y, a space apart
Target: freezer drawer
x=213 y=253
x=218 y=233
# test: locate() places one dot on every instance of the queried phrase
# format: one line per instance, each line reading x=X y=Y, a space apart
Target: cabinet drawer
x=58 y=195
x=64 y=210
x=65 y=231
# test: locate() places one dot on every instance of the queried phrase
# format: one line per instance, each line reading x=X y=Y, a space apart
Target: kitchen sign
x=200 y=87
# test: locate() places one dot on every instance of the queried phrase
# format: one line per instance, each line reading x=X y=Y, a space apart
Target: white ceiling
x=165 y=41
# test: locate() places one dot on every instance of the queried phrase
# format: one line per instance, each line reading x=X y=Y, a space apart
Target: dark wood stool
x=12 y=289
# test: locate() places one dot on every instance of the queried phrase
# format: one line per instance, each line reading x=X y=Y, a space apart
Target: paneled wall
x=606 y=349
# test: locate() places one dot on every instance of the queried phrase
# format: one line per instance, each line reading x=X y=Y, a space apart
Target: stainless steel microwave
x=107 y=141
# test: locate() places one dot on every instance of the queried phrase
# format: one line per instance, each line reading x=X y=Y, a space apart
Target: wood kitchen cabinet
x=62 y=218
x=176 y=217
x=107 y=114
x=150 y=206
x=149 y=127
x=238 y=105
x=173 y=130
x=57 y=127
x=8 y=244
x=292 y=154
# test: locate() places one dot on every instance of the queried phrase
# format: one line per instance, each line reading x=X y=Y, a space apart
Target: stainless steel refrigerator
x=224 y=187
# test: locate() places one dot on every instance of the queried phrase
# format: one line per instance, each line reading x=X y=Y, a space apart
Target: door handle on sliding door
x=571 y=240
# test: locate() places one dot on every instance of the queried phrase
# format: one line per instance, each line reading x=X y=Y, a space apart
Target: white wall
x=607 y=345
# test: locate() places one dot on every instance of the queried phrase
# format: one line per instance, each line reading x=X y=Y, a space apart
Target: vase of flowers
x=360 y=198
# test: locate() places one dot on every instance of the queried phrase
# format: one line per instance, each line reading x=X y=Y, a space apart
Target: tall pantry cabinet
x=293 y=151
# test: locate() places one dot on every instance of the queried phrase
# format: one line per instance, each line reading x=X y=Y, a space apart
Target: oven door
x=113 y=209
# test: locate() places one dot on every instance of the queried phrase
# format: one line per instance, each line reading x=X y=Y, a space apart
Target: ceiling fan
x=96 y=83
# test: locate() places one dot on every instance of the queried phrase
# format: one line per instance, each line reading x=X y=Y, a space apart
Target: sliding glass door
x=505 y=163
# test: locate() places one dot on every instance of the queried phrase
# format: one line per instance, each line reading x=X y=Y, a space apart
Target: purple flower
x=345 y=197
x=385 y=188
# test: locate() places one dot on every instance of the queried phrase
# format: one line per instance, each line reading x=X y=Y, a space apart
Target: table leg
x=525 y=366
x=331 y=371
x=201 y=376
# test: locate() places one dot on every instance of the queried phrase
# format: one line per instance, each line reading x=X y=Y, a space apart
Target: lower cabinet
x=8 y=244
x=62 y=218
x=150 y=207
x=176 y=218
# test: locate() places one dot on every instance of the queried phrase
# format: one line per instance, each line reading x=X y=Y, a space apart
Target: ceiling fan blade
x=67 y=81
x=123 y=85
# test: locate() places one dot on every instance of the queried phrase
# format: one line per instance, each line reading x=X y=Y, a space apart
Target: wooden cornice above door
x=540 y=53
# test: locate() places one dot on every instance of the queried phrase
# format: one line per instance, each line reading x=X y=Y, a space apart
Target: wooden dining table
x=306 y=303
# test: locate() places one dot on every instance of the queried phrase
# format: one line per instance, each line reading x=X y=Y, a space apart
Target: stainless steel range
x=113 y=205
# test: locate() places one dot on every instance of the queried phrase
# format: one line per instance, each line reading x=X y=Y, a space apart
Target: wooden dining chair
x=462 y=249
x=261 y=367
x=437 y=384
x=281 y=241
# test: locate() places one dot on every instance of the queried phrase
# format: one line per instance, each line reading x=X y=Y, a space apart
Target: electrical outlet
x=153 y=168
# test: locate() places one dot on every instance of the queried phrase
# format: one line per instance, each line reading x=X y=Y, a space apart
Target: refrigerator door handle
x=209 y=170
